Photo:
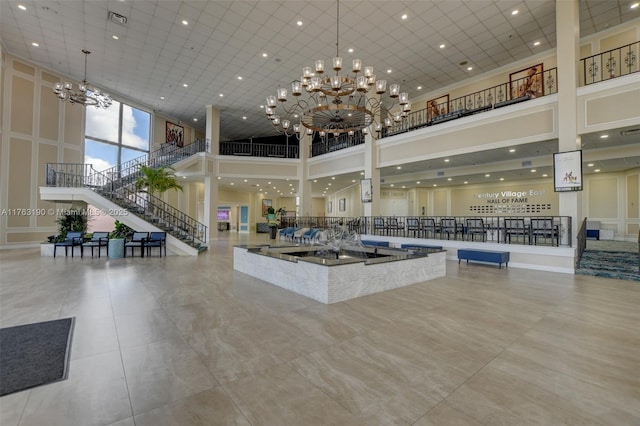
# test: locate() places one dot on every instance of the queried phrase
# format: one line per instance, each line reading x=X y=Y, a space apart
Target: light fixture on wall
x=337 y=104
x=85 y=95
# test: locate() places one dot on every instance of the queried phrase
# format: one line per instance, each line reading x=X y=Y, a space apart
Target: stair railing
x=581 y=242
x=144 y=205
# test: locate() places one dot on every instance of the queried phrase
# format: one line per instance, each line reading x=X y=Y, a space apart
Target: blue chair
x=310 y=235
x=99 y=240
x=71 y=240
x=157 y=239
x=138 y=239
x=289 y=233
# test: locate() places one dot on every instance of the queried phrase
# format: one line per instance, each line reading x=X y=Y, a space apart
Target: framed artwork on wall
x=365 y=190
x=527 y=81
x=437 y=106
x=567 y=171
x=175 y=134
x=266 y=203
x=329 y=207
x=342 y=204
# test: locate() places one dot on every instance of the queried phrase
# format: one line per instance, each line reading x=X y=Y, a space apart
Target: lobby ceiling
x=209 y=45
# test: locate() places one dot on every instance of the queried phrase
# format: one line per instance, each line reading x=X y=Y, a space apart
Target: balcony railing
x=251 y=149
x=331 y=144
x=544 y=83
x=610 y=64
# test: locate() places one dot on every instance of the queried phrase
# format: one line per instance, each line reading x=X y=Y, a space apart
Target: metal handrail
x=123 y=192
x=258 y=149
x=503 y=94
x=610 y=64
x=581 y=241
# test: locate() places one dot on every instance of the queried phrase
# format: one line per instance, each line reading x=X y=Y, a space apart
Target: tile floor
x=188 y=341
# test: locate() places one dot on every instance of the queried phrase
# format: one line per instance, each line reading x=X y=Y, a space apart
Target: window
x=115 y=135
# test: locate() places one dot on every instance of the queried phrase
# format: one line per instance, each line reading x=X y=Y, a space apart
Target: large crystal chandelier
x=337 y=104
x=85 y=95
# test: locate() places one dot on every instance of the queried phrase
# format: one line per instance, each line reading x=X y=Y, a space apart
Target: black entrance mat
x=34 y=354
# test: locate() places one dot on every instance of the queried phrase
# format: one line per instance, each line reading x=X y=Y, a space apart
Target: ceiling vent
x=526 y=164
x=116 y=18
x=630 y=132
x=440 y=174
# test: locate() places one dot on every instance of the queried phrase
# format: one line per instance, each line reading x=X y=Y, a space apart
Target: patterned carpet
x=612 y=259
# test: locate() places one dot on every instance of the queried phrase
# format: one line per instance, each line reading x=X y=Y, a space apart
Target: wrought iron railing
x=581 y=241
x=515 y=91
x=527 y=230
x=610 y=64
x=330 y=144
x=251 y=149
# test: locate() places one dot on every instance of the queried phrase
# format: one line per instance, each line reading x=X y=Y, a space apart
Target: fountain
x=338 y=267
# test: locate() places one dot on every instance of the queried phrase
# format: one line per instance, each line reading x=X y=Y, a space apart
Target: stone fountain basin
x=357 y=271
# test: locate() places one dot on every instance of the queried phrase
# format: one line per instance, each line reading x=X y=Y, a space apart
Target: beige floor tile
x=495 y=398
x=93 y=336
x=162 y=372
x=94 y=394
x=209 y=408
x=280 y=396
x=445 y=415
x=125 y=422
x=11 y=407
x=145 y=327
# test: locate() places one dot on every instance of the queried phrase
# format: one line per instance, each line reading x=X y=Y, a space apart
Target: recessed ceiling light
x=162 y=97
x=350 y=50
x=268 y=183
x=545 y=175
x=501 y=178
x=590 y=165
x=231 y=183
x=446 y=160
x=487 y=175
x=391 y=185
x=466 y=182
x=469 y=68
x=333 y=178
x=442 y=46
x=219 y=177
x=221 y=95
x=22 y=7
x=244 y=117
x=537 y=43
x=604 y=136
x=185 y=85
x=115 y=37
x=299 y=23
x=329 y=184
x=418 y=183
x=419 y=87
x=405 y=16
x=449 y=179
x=264 y=55
x=239 y=77
x=195 y=119
x=515 y=12
x=184 y=177
x=389 y=71
x=185 y=22
x=315 y=180
x=633 y=6
x=512 y=150
x=403 y=187
x=261 y=106
x=353 y=181
x=533 y=170
x=596 y=170
x=246 y=180
x=34 y=44
x=399 y=167
x=435 y=184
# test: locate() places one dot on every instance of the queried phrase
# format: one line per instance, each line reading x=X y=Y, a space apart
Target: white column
x=372 y=172
x=211 y=204
x=213 y=129
x=304 y=184
x=210 y=167
x=568 y=51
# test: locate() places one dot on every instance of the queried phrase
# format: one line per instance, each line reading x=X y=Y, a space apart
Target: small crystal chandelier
x=86 y=95
x=337 y=104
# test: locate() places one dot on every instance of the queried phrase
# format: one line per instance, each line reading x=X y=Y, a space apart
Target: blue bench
x=498 y=257
x=375 y=243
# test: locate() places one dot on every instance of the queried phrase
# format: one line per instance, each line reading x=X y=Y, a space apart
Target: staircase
x=117 y=186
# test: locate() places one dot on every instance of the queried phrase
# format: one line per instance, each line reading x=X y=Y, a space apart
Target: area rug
x=34 y=354
x=621 y=265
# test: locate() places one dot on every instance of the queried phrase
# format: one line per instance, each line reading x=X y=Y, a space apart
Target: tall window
x=115 y=135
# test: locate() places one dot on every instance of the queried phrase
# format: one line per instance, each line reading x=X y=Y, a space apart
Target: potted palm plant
x=157 y=181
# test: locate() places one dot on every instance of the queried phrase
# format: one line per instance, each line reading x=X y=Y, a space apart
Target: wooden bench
x=498 y=257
